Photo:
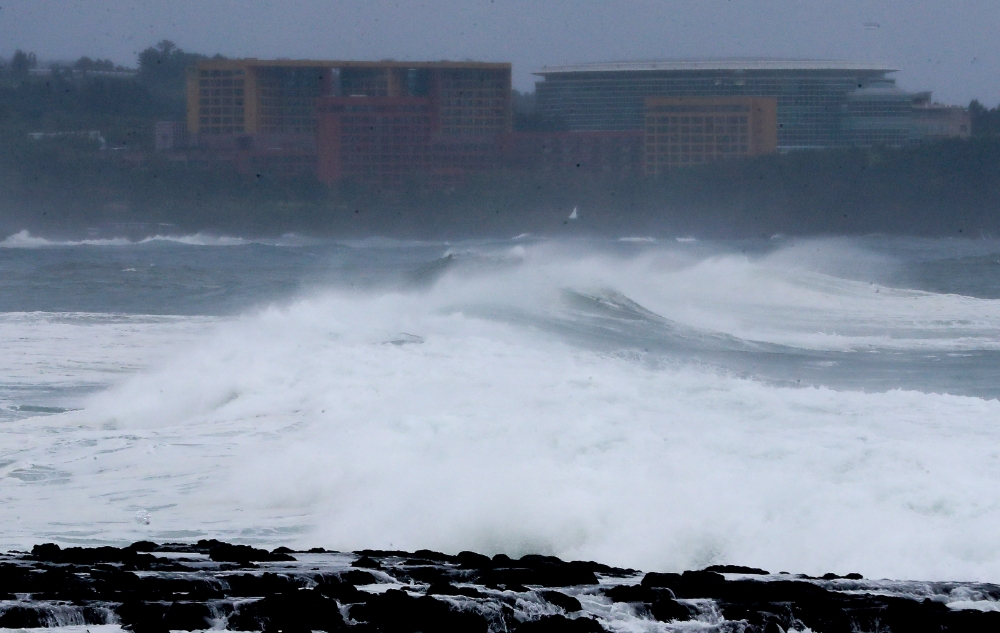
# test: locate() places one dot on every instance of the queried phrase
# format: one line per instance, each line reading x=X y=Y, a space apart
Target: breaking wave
x=541 y=401
x=25 y=239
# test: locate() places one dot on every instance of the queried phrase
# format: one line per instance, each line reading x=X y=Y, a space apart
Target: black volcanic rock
x=224 y=552
x=334 y=587
x=396 y=611
x=657 y=579
x=21 y=617
x=366 y=562
x=431 y=555
x=668 y=610
x=267 y=584
x=448 y=589
x=546 y=571
x=427 y=573
x=52 y=553
x=736 y=569
x=300 y=611
x=636 y=593
x=690 y=584
x=187 y=616
x=432 y=591
x=143 y=546
x=143 y=617
x=358 y=577
x=472 y=560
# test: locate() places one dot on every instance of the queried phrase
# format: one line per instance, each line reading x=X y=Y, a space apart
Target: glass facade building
x=820 y=104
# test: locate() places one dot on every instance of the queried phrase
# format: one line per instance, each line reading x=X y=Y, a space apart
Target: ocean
x=809 y=405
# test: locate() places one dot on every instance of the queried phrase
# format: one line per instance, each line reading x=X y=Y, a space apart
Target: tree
x=164 y=66
x=87 y=64
x=22 y=63
x=985 y=121
x=527 y=117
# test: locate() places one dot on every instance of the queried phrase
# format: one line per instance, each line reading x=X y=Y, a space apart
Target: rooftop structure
x=811 y=95
x=741 y=64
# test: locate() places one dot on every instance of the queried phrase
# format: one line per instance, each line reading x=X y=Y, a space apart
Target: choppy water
x=810 y=405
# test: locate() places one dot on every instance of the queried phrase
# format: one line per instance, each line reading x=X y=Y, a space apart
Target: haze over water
x=809 y=405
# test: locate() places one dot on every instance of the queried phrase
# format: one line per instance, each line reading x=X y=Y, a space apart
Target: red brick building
x=372 y=122
x=439 y=122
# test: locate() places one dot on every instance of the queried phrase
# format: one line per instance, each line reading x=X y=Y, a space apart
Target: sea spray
x=480 y=409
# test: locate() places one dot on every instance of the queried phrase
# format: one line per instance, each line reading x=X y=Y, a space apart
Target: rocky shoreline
x=154 y=588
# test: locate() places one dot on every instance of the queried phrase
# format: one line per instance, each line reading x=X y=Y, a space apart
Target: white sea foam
x=25 y=239
x=318 y=423
x=198 y=239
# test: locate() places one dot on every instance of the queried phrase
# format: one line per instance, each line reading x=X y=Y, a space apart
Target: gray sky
x=950 y=47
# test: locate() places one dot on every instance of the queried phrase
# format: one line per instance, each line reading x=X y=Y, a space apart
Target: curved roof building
x=815 y=106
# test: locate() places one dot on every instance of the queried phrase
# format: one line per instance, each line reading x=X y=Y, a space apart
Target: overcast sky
x=951 y=47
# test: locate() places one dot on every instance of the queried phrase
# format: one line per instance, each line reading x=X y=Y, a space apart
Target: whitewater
x=802 y=405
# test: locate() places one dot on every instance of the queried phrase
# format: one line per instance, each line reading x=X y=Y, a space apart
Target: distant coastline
x=947 y=188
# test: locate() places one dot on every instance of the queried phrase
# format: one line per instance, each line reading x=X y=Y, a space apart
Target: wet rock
x=267 y=584
x=636 y=593
x=21 y=617
x=13 y=578
x=736 y=569
x=472 y=560
x=143 y=546
x=567 y=603
x=297 y=612
x=560 y=624
x=396 y=611
x=669 y=610
x=142 y=617
x=763 y=618
x=345 y=593
x=224 y=552
x=52 y=553
x=545 y=571
x=102 y=585
x=366 y=562
x=690 y=584
x=61 y=584
x=187 y=616
x=427 y=574
x=448 y=589
x=47 y=552
x=357 y=577
x=431 y=555
x=776 y=591
x=657 y=579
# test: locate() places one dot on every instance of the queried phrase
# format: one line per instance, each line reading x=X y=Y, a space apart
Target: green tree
x=985 y=121
x=88 y=64
x=22 y=63
x=164 y=66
